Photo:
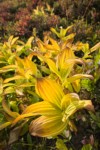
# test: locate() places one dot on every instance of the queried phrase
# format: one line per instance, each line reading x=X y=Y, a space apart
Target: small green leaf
x=87 y=147
x=60 y=145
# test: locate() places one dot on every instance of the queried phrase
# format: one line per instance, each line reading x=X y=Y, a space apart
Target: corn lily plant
x=58 y=103
x=62 y=33
x=67 y=40
x=62 y=68
x=61 y=59
x=24 y=70
x=13 y=47
x=55 y=111
x=86 y=49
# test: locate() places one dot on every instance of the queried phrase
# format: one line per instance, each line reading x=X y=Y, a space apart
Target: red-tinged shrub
x=22 y=18
x=53 y=20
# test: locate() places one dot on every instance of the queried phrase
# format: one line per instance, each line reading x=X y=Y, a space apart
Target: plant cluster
x=40 y=89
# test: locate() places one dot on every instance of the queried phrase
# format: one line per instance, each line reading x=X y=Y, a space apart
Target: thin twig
x=87 y=7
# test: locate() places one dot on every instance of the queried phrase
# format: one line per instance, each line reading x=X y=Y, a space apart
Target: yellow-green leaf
x=69 y=38
x=14 y=40
x=53 y=67
x=42 y=108
x=29 y=42
x=49 y=90
x=8 y=84
x=54 y=31
x=63 y=56
x=9 y=90
x=79 y=76
x=72 y=108
x=67 y=99
x=76 y=85
x=4 y=125
x=28 y=84
x=7 y=110
x=7 y=68
x=47 y=126
x=60 y=145
x=41 y=46
x=97 y=46
x=77 y=105
x=30 y=66
x=53 y=46
x=17 y=77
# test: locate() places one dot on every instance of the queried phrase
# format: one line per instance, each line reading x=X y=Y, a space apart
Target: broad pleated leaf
x=14 y=40
x=47 y=126
x=53 y=67
x=67 y=67
x=76 y=85
x=29 y=65
x=41 y=46
x=69 y=38
x=53 y=46
x=71 y=62
x=42 y=108
x=65 y=55
x=29 y=42
x=49 y=90
x=54 y=31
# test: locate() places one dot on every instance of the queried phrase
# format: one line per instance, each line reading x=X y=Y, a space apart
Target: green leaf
x=87 y=147
x=60 y=145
